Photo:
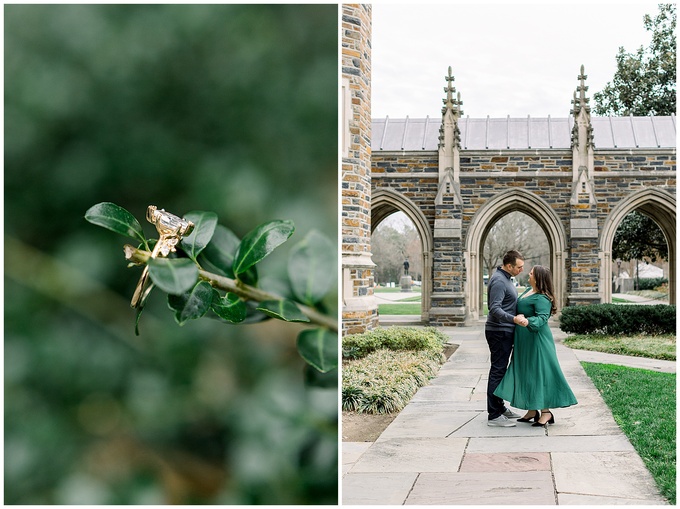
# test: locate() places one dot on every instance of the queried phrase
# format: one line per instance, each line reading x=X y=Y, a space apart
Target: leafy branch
x=245 y=292
x=214 y=273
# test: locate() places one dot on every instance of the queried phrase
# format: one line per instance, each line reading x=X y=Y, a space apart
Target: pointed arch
x=504 y=203
x=384 y=202
x=658 y=205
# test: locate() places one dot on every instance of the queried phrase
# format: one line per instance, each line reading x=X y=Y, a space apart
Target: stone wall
x=546 y=174
x=360 y=310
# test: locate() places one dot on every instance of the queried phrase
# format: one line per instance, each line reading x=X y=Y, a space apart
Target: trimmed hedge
x=616 y=319
x=651 y=283
x=356 y=346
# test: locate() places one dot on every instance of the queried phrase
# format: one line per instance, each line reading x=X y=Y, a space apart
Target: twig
x=246 y=292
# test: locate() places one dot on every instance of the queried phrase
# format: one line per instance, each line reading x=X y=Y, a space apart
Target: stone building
x=576 y=176
x=454 y=177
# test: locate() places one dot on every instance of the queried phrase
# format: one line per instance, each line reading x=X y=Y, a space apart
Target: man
x=500 y=330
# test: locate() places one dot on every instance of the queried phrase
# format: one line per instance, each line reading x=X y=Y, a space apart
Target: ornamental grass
x=384 y=381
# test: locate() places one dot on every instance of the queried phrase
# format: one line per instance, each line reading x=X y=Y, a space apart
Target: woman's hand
x=521 y=320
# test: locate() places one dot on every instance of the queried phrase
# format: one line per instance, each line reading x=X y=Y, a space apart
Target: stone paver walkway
x=439 y=449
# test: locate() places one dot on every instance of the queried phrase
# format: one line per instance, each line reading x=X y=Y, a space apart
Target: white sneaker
x=501 y=421
x=511 y=415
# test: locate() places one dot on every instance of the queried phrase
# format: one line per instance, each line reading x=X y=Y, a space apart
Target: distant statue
x=406 y=266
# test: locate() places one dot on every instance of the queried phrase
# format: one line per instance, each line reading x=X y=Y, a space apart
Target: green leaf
x=173 y=275
x=115 y=218
x=261 y=241
x=312 y=268
x=204 y=228
x=283 y=310
x=219 y=253
x=230 y=307
x=191 y=305
x=319 y=347
x=250 y=276
x=218 y=256
x=254 y=315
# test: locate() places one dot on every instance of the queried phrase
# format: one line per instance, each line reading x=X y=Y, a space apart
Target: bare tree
x=518 y=231
x=414 y=252
x=393 y=242
x=387 y=253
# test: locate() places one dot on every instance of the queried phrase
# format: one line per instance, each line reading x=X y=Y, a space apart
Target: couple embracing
x=534 y=380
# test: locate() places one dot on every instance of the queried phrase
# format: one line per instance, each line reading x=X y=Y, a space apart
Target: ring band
x=171 y=229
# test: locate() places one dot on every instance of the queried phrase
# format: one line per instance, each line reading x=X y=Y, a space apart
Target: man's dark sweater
x=501 y=297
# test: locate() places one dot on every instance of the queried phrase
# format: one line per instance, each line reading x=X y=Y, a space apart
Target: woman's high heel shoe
x=549 y=421
x=535 y=418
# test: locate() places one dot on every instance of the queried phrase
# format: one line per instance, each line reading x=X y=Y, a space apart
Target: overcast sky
x=507 y=59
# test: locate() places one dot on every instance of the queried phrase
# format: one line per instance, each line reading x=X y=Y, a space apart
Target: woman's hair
x=544 y=285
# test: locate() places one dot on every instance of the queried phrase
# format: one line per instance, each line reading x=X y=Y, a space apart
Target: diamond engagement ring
x=171 y=229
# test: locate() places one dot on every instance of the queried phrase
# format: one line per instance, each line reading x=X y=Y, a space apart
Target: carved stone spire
x=452 y=107
x=449 y=145
x=581 y=112
x=450 y=102
x=582 y=146
x=449 y=89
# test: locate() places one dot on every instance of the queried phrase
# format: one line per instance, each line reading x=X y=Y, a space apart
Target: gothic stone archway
x=385 y=202
x=659 y=205
x=508 y=201
x=577 y=177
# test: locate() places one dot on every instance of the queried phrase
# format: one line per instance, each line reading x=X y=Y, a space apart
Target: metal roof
x=523 y=133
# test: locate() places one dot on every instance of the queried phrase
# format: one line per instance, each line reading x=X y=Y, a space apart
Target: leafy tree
x=644 y=82
x=639 y=237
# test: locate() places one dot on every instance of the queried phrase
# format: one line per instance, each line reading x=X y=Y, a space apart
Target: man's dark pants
x=500 y=345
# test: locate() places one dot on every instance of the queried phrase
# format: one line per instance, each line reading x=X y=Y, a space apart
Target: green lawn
x=654 y=347
x=412 y=306
x=410 y=299
x=643 y=405
x=399 y=309
x=396 y=289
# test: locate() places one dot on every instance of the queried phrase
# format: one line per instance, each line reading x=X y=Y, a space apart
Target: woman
x=534 y=379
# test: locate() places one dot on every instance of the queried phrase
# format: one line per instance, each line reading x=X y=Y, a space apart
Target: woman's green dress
x=534 y=379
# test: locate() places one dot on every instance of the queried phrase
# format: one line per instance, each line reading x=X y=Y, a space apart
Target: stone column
x=359 y=307
x=584 y=284
x=448 y=264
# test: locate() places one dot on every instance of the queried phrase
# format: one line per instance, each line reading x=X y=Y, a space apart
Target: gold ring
x=171 y=229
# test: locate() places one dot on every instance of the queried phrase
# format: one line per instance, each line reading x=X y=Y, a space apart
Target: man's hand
x=521 y=320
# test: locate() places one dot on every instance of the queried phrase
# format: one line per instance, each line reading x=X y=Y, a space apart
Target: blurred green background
x=225 y=108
